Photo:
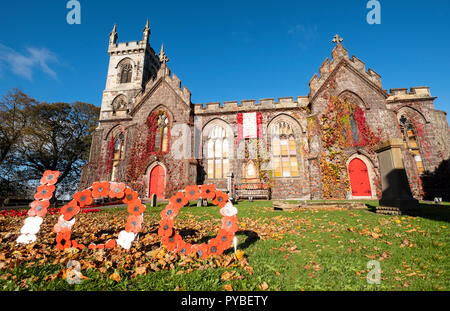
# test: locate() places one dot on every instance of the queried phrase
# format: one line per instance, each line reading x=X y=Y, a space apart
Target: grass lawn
x=321 y=249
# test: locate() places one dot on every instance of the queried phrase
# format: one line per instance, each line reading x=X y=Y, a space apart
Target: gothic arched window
x=284 y=151
x=162 y=133
x=126 y=73
x=410 y=141
x=118 y=154
x=217 y=153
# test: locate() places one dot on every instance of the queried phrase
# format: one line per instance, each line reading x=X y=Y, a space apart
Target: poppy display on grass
x=70 y=210
x=208 y=192
x=84 y=197
x=44 y=192
x=130 y=196
x=215 y=246
x=134 y=223
x=38 y=208
x=192 y=192
x=136 y=207
x=50 y=177
x=117 y=190
x=100 y=189
x=63 y=240
x=221 y=199
x=179 y=199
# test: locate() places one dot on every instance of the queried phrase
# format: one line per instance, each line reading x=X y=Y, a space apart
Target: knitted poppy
x=50 y=177
x=179 y=199
x=63 y=240
x=192 y=192
x=44 y=192
x=183 y=248
x=208 y=192
x=70 y=210
x=84 y=197
x=39 y=208
x=110 y=244
x=215 y=247
x=117 y=190
x=134 y=223
x=230 y=224
x=100 y=189
x=62 y=225
x=201 y=250
x=136 y=207
x=225 y=237
x=169 y=212
x=221 y=199
x=171 y=242
x=165 y=227
x=130 y=196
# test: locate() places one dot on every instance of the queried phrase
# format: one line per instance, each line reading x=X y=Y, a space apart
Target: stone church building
x=317 y=146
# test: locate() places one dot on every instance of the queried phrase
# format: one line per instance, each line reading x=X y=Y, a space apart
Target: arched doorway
x=359 y=178
x=157 y=182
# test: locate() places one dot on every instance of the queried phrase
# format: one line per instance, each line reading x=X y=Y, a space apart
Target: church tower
x=131 y=65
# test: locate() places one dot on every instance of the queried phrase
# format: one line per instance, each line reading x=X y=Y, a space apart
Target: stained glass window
x=284 y=151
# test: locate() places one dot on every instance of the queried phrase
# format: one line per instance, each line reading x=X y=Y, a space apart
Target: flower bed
x=51 y=211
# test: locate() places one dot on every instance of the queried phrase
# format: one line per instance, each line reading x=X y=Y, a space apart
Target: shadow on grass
x=430 y=211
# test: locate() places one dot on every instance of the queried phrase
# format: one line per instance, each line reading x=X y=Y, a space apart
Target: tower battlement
x=418 y=92
x=251 y=105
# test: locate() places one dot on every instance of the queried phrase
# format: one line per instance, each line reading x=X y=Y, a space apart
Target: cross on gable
x=337 y=39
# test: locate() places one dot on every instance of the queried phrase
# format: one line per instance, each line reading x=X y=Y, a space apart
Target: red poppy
x=116 y=190
x=100 y=189
x=136 y=207
x=63 y=240
x=171 y=242
x=130 y=196
x=183 y=248
x=110 y=243
x=170 y=211
x=225 y=238
x=44 y=192
x=84 y=197
x=229 y=223
x=100 y=246
x=70 y=210
x=192 y=192
x=92 y=246
x=39 y=208
x=77 y=245
x=179 y=199
x=208 y=192
x=201 y=250
x=50 y=177
x=134 y=223
x=165 y=227
x=221 y=199
x=215 y=247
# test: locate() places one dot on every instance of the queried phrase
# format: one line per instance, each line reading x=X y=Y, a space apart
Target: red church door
x=157 y=182
x=359 y=178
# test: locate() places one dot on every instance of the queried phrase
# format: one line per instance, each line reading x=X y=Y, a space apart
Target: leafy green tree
x=55 y=136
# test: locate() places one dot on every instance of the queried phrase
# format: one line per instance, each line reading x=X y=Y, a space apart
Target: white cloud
x=24 y=64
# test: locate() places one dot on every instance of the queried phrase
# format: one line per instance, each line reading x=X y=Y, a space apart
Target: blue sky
x=223 y=50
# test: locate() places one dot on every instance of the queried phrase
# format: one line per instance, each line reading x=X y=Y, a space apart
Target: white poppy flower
x=228 y=210
x=26 y=238
x=125 y=239
x=32 y=225
x=62 y=224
